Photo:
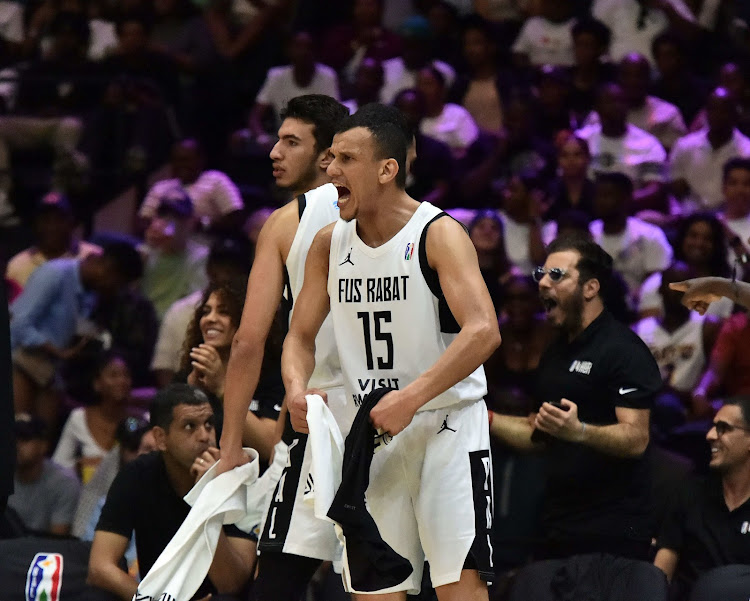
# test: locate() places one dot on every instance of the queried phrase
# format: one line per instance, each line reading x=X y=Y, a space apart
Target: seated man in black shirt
x=147 y=497
x=708 y=525
x=595 y=387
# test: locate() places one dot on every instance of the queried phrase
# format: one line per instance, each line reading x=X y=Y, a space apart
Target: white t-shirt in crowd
x=651 y=300
x=638 y=251
x=76 y=441
x=702 y=166
x=454 y=127
x=397 y=77
x=280 y=86
x=545 y=42
x=172 y=332
x=213 y=194
x=622 y=18
x=517 y=243
x=637 y=154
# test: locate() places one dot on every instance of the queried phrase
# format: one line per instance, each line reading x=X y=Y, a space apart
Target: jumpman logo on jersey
x=445 y=426
x=348 y=259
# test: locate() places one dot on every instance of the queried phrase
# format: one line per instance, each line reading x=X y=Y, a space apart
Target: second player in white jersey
x=385 y=335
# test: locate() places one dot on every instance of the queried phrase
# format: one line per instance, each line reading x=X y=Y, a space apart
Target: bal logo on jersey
x=44 y=580
x=409 y=251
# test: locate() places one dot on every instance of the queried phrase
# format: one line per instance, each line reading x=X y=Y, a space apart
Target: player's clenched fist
x=392 y=413
x=298 y=409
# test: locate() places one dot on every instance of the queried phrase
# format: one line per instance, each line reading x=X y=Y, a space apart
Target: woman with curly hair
x=701 y=242
x=206 y=353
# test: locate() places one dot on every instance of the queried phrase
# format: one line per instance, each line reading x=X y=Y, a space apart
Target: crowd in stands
x=624 y=120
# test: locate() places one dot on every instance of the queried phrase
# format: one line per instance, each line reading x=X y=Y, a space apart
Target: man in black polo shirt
x=708 y=526
x=146 y=497
x=603 y=379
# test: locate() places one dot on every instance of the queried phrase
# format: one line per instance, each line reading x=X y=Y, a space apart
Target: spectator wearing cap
x=45 y=494
x=89 y=432
x=146 y=498
x=175 y=265
x=216 y=200
x=54 y=232
x=401 y=72
x=228 y=259
x=134 y=438
x=49 y=320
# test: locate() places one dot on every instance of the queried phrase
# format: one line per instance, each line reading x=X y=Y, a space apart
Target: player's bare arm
x=451 y=254
x=627 y=438
x=264 y=290
x=701 y=292
x=311 y=309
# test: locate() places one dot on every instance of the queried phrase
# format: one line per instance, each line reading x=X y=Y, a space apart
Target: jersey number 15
x=378 y=317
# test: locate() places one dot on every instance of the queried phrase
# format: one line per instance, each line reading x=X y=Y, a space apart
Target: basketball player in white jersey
x=293 y=543
x=411 y=312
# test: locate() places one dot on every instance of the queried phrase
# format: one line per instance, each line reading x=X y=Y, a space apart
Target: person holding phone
x=595 y=388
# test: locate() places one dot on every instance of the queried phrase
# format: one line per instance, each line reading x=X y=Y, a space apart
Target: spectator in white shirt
x=450 y=123
x=302 y=76
x=618 y=146
x=637 y=248
x=546 y=39
x=216 y=200
x=737 y=198
x=654 y=115
x=697 y=160
x=400 y=73
x=635 y=23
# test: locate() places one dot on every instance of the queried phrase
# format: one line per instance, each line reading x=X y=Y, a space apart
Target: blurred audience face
x=587 y=49
x=521 y=303
x=302 y=51
x=487 y=235
x=133 y=38
x=563 y=300
x=732 y=78
x=147 y=445
x=730 y=450
x=189 y=435
x=634 y=75
x=30 y=452
x=169 y=233
x=573 y=158
x=612 y=107
x=721 y=111
x=431 y=88
x=698 y=245
x=113 y=383
x=187 y=161
x=295 y=156
x=737 y=192
x=609 y=201
x=677 y=272
x=669 y=59
x=368 y=81
x=553 y=89
x=478 y=49
x=216 y=323
x=518 y=120
x=367 y=13
x=555 y=10
x=54 y=232
x=515 y=198
x=411 y=104
x=415 y=53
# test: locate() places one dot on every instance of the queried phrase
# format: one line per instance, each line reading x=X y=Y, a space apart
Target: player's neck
x=736 y=486
x=389 y=215
x=321 y=179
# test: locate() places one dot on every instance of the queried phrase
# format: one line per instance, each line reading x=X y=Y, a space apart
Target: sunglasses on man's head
x=723 y=427
x=555 y=274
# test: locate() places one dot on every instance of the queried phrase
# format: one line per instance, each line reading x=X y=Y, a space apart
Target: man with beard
x=709 y=523
x=595 y=389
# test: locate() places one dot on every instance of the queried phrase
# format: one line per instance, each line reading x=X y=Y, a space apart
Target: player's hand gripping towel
x=216 y=500
x=327 y=453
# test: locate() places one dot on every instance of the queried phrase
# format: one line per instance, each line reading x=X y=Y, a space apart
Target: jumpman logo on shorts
x=348 y=259
x=445 y=426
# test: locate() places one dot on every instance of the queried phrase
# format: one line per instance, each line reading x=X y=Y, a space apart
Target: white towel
x=235 y=497
x=327 y=454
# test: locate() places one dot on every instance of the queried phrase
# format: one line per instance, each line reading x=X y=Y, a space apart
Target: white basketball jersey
x=389 y=315
x=680 y=354
x=319 y=208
